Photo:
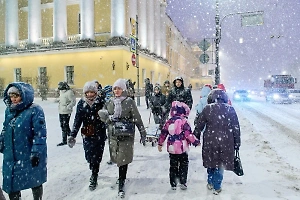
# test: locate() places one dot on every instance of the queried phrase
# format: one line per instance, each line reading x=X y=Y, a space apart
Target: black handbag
x=238 y=169
x=123 y=128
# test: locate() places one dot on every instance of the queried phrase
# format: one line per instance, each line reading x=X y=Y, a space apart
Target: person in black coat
x=178 y=93
x=148 y=91
x=93 y=129
x=156 y=102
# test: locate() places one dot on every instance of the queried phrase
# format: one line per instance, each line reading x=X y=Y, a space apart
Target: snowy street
x=270 y=136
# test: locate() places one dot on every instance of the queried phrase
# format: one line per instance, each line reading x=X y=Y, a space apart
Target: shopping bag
x=238 y=169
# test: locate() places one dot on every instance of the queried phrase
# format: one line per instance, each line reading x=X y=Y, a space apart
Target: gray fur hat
x=90 y=86
x=13 y=90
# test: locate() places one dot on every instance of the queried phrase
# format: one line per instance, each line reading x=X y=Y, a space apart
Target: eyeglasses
x=14 y=95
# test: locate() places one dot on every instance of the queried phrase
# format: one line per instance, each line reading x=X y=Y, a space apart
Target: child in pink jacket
x=180 y=137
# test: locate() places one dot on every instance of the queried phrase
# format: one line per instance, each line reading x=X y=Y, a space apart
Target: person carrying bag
x=121 y=116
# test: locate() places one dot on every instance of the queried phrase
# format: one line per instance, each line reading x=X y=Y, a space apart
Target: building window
x=42 y=77
x=143 y=75
x=70 y=74
x=18 y=75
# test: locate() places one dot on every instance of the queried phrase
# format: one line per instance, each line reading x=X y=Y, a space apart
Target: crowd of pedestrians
x=99 y=115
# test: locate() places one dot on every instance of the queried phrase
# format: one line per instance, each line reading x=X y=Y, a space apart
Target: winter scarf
x=118 y=108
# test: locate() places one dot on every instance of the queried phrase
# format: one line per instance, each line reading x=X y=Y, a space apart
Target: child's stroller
x=153 y=131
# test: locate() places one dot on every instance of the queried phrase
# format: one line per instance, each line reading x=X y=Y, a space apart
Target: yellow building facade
x=83 y=40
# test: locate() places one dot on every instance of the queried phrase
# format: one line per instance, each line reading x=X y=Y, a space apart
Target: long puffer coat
x=88 y=115
x=222 y=131
x=203 y=99
x=121 y=148
x=23 y=134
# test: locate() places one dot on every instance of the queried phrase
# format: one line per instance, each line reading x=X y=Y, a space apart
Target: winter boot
x=64 y=140
x=121 y=193
x=15 y=196
x=93 y=182
x=37 y=192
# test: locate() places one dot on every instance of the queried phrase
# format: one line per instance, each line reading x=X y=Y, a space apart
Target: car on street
x=279 y=96
x=294 y=95
x=241 y=95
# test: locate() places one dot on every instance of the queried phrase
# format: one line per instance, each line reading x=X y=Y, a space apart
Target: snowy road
x=269 y=152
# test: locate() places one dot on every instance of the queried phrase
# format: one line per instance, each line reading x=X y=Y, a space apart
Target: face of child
x=15 y=98
x=118 y=91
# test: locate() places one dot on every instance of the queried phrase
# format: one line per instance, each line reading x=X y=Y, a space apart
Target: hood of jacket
x=179 y=109
x=217 y=96
x=26 y=93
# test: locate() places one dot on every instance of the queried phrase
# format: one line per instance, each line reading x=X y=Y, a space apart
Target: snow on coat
x=221 y=134
x=121 y=148
x=178 y=130
x=67 y=101
x=23 y=134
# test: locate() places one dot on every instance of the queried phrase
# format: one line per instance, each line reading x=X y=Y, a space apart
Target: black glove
x=35 y=160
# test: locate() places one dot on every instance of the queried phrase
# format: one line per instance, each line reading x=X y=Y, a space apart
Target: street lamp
x=248 y=19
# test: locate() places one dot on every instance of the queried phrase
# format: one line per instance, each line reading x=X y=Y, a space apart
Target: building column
x=150 y=22
x=87 y=19
x=132 y=12
x=34 y=22
x=60 y=21
x=142 y=14
x=163 y=6
x=11 y=23
x=157 y=34
x=117 y=18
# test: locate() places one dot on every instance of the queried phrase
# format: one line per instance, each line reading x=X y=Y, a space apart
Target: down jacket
x=222 y=131
x=121 y=148
x=23 y=134
x=67 y=101
x=178 y=130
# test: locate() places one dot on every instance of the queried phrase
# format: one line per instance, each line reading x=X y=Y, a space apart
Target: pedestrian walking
x=220 y=137
x=92 y=130
x=23 y=142
x=180 y=136
x=66 y=102
x=121 y=113
x=148 y=91
x=203 y=98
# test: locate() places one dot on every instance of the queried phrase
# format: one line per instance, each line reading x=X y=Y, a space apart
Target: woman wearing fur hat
x=23 y=142
x=119 y=108
x=92 y=131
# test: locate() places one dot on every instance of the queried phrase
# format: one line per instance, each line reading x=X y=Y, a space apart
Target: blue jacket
x=23 y=134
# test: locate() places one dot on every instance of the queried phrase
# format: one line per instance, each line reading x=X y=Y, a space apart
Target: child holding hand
x=180 y=136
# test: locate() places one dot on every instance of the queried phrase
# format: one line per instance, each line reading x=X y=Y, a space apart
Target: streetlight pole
x=138 y=63
x=246 y=21
x=217 y=42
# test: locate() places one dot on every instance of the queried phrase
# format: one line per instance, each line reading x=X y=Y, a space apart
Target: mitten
x=35 y=160
x=71 y=141
x=103 y=114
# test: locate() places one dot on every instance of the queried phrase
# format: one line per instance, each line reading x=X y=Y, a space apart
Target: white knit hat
x=121 y=83
x=90 y=86
x=13 y=89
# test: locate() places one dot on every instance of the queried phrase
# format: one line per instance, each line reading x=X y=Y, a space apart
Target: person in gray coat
x=66 y=103
x=220 y=137
x=120 y=106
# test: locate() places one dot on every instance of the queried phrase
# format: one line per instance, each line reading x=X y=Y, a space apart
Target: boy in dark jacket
x=156 y=102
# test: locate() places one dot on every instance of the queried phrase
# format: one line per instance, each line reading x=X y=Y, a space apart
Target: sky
x=268 y=152
x=245 y=65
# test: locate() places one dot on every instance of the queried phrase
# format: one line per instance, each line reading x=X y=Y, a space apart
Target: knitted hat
x=90 y=87
x=179 y=109
x=121 y=83
x=157 y=87
x=13 y=90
